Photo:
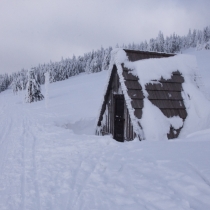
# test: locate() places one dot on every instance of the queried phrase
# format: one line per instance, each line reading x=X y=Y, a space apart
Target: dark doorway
x=119 y=118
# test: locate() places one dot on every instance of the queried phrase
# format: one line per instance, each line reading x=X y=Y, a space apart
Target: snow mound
x=82 y=126
x=153 y=120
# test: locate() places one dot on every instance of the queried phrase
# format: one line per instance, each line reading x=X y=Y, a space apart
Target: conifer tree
x=47 y=81
x=33 y=89
x=161 y=41
x=106 y=60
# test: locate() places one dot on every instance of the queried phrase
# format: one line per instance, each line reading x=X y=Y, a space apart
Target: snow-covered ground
x=51 y=159
x=203 y=60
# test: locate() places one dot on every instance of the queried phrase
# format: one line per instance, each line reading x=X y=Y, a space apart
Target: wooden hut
x=115 y=117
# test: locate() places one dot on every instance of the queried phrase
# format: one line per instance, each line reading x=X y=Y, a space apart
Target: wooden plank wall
x=108 y=127
x=128 y=128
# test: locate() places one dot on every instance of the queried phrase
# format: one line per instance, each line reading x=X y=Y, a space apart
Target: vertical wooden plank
x=117 y=82
x=125 y=122
x=111 y=112
x=106 y=122
x=128 y=128
x=108 y=118
x=132 y=133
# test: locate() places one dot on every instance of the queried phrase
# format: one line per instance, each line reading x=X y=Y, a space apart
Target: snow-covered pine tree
x=160 y=41
x=74 y=68
x=152 y=45
x=2 y=86
x=81 y=64
x=166 y=45
x=47 y=82
x=33 y=89
x=206 y=35
x=194 y=38
x=146 y=46
x=141 y=46
x=15 y=85
x=88 y=66
x=106 y=60
x=19 y=81
x=189 y=39
x=93 y=64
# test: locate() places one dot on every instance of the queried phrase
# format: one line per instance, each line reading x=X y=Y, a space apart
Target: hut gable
x=123 y=112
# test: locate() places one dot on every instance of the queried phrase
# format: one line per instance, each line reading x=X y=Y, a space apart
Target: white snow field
x=51 y=159
x=203 y=60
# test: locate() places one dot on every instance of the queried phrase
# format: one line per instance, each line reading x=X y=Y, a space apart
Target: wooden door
x=119 y=118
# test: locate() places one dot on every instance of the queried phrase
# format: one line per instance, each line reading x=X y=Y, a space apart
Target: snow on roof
x=155 y=68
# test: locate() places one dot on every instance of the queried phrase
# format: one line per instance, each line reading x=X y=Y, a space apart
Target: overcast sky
x=37 y=31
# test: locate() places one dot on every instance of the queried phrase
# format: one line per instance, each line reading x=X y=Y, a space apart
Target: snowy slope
x=50 y=159
x=203 y=60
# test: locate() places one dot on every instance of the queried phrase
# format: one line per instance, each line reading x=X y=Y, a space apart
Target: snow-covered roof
x=172 y=75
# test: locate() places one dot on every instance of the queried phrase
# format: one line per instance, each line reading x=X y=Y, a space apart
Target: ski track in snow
x=18 y=150
x=44 y=166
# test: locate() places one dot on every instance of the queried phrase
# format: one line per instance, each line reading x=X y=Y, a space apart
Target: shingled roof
x=166 y=94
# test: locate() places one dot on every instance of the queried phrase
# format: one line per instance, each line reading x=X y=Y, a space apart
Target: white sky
x=37 y=31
